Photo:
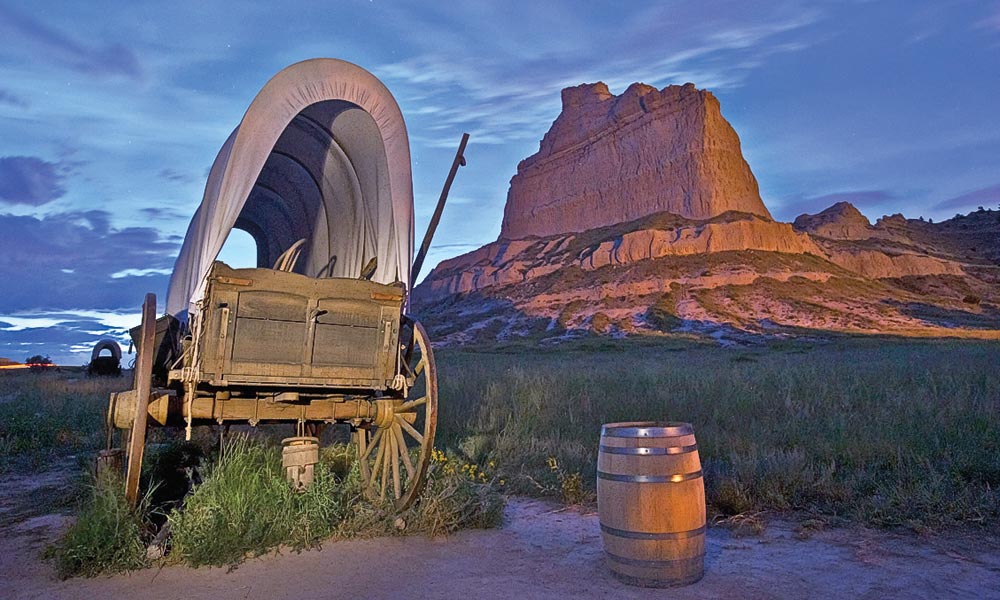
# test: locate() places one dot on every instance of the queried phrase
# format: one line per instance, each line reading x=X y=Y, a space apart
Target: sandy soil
x=543 y=551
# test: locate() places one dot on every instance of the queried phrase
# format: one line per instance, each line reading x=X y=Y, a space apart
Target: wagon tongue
x=459 y=161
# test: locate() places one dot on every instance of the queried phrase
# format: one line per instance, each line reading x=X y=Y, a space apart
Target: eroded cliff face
x=893 y=248
x=612 y=159
x=510 y=262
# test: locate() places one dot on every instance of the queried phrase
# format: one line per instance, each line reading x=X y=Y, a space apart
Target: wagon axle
x=167 y=408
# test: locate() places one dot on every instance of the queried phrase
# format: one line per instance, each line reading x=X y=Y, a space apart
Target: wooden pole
x=143 y=385
x=459 y=161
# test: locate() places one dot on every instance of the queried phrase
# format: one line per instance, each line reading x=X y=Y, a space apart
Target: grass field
x=883 y=432
x=878 y=431
x=47 y=416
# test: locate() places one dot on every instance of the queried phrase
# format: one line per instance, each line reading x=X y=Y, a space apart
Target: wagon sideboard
x=266 y=327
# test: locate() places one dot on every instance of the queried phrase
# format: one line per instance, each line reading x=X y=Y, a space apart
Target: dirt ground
x=543 y=551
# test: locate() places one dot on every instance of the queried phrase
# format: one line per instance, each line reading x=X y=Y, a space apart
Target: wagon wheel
x=394 y=451
x=143 y=383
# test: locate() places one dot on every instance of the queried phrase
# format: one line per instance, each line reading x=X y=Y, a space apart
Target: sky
x=112 y=112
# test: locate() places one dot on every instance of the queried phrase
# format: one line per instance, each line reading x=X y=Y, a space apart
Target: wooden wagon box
x=274 y=328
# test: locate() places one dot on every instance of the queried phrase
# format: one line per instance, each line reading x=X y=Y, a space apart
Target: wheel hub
x=385 y=410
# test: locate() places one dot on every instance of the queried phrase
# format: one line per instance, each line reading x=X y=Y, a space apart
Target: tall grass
x=884 y=432
x=45 y=416
x=107 y=536
x=246 y=508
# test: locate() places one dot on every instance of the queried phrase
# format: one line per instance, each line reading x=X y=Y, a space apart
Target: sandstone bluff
x=639 y=214
x=611 y=159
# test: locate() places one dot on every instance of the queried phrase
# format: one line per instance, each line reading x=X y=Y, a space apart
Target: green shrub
x=244 y=508
x=458 y=496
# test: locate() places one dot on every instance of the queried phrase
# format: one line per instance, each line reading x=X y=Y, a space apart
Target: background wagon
x=105 y=364
x=318 y=173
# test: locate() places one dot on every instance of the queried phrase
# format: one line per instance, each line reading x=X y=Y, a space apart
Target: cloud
x=988 y=197
x=140 y=273
x=11 y=99
x=156 y=213
x=501 y=92
x=862 y=199
x=454 y=247
x=68 y=338
x=68 y=261
x=40 y=319
x=56 y=47
x=30 y=180
x=992 y=20
x=175 y=176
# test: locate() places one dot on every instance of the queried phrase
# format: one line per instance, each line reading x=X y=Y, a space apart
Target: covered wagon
x=108 y=364
x=318 y=173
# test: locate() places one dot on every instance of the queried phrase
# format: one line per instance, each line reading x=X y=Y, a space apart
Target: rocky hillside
x=639 y=215
x=842 y=221
x=511 y=262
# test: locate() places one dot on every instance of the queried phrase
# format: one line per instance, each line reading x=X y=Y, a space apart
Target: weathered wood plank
x=143 y=385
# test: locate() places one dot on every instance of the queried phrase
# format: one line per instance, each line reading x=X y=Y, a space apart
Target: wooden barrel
x=651 y=502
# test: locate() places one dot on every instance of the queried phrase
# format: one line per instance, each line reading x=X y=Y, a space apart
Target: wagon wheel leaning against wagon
x=394 y=450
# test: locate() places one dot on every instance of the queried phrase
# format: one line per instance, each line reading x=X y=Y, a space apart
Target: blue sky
x=112 y=112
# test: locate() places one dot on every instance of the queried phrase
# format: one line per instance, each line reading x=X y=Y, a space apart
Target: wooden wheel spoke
x=420 y=366
x=410 y=429
x=362 y=444
x=385 y=468
x=396 y=451
x=143 y=384
x=404 y=453
x=379 y=460
x=374 y=441
x=411 y=404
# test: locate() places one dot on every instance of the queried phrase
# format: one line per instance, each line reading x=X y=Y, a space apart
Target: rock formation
x=611 y=159
x=732 y=276
x=507 y=262
x=639 y=214
x=894 y=247
x=839 y=222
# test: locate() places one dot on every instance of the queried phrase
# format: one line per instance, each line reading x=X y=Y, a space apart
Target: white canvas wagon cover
x=321 y=154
